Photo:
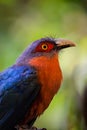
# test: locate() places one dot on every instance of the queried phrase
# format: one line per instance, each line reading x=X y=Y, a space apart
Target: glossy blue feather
x=18 y=88
x=13 y=76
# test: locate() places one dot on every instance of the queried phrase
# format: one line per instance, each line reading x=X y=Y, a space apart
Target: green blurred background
x=23 y=21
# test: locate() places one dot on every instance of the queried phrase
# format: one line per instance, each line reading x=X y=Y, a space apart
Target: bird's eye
x=44 y=46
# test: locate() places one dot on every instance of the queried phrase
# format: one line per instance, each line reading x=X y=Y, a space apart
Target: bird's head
x=45 y=47
x=43 y=56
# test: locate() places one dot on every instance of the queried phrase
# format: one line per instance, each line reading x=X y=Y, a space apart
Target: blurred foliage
x=23 y=21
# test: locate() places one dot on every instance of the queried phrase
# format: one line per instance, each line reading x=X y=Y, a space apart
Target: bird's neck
x=49 y=73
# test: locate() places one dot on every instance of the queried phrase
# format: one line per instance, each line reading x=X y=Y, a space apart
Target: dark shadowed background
x=22 y=22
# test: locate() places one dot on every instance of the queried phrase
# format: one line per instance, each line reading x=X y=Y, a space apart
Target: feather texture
x=18 y=89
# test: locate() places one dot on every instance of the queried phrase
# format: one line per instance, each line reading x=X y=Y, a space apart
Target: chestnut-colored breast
x=50 y=77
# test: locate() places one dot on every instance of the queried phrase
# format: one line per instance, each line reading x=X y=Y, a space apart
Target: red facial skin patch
x=44 y=47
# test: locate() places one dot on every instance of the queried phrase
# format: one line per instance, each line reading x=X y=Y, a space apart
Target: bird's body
x=27 y=88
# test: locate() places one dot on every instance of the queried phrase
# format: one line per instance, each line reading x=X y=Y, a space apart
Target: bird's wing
x=18 y=89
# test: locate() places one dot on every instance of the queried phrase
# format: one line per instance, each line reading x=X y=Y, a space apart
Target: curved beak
x=64 y=43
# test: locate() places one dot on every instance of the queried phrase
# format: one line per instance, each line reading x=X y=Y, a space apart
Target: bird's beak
x=63 y=43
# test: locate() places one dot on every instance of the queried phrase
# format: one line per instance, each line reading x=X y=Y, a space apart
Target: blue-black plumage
x=18 y=88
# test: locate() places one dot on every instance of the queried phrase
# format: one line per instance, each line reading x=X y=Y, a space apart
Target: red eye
x=44 y=47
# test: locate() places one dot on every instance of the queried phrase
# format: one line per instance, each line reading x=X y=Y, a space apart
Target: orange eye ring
x=44 y=46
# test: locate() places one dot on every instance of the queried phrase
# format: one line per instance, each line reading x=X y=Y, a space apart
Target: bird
x=29 y=85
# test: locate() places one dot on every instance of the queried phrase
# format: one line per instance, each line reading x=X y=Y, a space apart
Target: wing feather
x=18 y=89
